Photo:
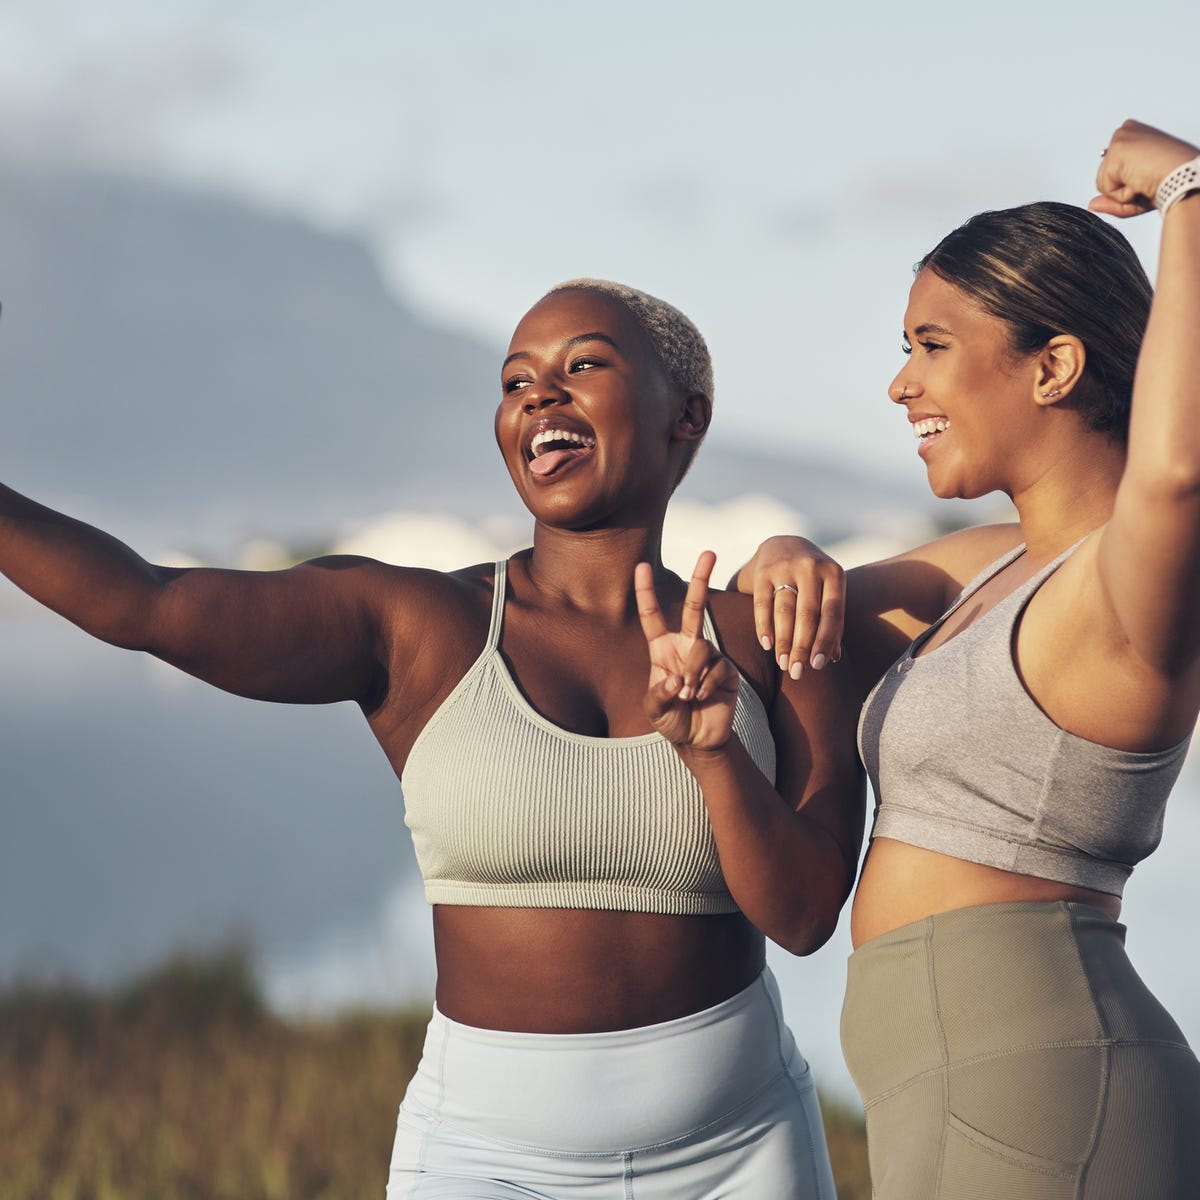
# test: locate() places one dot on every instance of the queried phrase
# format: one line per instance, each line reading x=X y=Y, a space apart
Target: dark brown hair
x=1047 y=269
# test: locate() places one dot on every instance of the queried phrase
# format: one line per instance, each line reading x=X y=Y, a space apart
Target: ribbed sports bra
x=509 y=810
x=964 y=762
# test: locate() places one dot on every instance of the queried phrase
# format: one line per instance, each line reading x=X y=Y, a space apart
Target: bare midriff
x=533 y=970
x=902 y=883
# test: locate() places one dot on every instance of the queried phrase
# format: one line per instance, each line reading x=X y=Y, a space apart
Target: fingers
x=649 y=612
x=706 y=675
x=1113 y=208
x=696 y=600
x=823 y=626
x=803 y=619
x=765 y=593
x=702 y=671
x=1138 y=158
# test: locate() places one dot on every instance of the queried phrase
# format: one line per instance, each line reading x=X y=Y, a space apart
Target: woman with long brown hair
x=1040 y=684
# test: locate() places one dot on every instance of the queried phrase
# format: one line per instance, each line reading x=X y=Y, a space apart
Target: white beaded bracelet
x=1177 y=184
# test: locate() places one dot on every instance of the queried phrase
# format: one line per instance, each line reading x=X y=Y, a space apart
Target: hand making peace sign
x=693 y=688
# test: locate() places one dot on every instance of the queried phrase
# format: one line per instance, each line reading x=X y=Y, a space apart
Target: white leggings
x=719 y=1104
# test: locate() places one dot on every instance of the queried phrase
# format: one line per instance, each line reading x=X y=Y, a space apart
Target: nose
x=903 y=388
x=542 y=394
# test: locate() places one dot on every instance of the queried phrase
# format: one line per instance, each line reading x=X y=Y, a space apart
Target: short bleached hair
x=675 y=338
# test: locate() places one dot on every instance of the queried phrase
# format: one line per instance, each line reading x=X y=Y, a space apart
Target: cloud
x=894 y=191
x=116 y=106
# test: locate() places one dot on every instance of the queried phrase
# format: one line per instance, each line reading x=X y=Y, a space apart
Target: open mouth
x=552 y=449
x=929 y=429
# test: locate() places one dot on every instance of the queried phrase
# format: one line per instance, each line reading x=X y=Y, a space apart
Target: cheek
x=502 y=425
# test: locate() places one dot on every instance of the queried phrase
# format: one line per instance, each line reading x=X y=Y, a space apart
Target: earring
x=1050 y=393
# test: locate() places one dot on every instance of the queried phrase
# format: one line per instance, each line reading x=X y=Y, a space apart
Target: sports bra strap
x=498 y=587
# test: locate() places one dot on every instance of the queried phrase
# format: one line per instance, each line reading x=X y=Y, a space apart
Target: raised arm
x=311 y=634
x=788 y=852
x=1148 y=556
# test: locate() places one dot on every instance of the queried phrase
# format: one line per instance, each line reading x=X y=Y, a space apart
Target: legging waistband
x=593 y=1092
x=990 y=980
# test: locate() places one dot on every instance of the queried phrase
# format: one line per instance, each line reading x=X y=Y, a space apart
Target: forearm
x=1164 y=435
x=82 y=573
x=1148 y=554
x=787 y=871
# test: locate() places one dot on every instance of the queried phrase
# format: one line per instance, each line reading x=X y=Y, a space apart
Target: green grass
x=182 y=1085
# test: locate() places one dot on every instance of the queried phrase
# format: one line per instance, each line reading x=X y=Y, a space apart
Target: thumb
x=660 y=696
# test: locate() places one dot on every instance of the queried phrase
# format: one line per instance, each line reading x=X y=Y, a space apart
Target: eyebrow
x=595 y=336
x=932 y=327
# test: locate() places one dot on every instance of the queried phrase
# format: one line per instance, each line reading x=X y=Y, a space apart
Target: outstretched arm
x=310 y=634
x=1148 y=556
x=788 y=855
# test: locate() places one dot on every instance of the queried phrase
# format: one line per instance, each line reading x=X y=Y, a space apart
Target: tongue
x=548 y=463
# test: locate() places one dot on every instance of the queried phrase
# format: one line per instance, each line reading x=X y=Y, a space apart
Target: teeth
x=930 y=425
x=559 y=435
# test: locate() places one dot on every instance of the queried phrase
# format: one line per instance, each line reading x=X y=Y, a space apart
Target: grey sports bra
x=962 y=761
x=509 y=810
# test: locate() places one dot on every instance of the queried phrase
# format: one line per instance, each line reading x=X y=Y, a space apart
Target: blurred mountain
x=183 y=354
x=177 y=361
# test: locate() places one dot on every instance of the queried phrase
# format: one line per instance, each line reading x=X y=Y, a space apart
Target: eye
x=929 y=347
x=515 y=383
x=905 y=345
x=584 y=364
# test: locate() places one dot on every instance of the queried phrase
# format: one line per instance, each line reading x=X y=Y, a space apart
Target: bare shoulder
x=435 y=626
x=394 y=593
x=960 y=555
x=894 y=600
x=924 y=580
x=432 y=604
x=733 y=615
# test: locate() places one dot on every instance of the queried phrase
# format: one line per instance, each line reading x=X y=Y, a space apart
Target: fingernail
x=818 y=661
x=766 y=642
x=797 y=668
x=685 y=692
x=783 y=662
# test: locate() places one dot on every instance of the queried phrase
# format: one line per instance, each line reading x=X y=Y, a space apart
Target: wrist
x=1182 y=181
x=701 y=758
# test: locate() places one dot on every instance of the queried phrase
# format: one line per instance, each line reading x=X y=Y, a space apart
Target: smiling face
x=589 y=420
x=969 y=397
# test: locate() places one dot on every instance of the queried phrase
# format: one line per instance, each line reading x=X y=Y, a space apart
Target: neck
x=1071 y=497
x=592 y=570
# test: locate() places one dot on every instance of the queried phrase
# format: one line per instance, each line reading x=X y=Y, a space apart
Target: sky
x=772 y=169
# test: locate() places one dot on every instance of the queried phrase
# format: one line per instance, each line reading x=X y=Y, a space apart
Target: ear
x=1059 y=368
x=693 y=417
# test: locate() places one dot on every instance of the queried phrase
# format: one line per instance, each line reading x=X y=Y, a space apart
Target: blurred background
x=259 y=263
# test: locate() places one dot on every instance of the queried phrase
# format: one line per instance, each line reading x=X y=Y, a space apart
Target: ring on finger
x=786 y=587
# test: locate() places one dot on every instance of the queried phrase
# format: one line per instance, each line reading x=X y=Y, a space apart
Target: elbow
x=814 y=918
x=811 y=926
x=1173 y=480
x=132 y=621
x=806 y=938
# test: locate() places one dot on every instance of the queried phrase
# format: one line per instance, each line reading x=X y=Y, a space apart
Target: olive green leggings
x=1011 y=1051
